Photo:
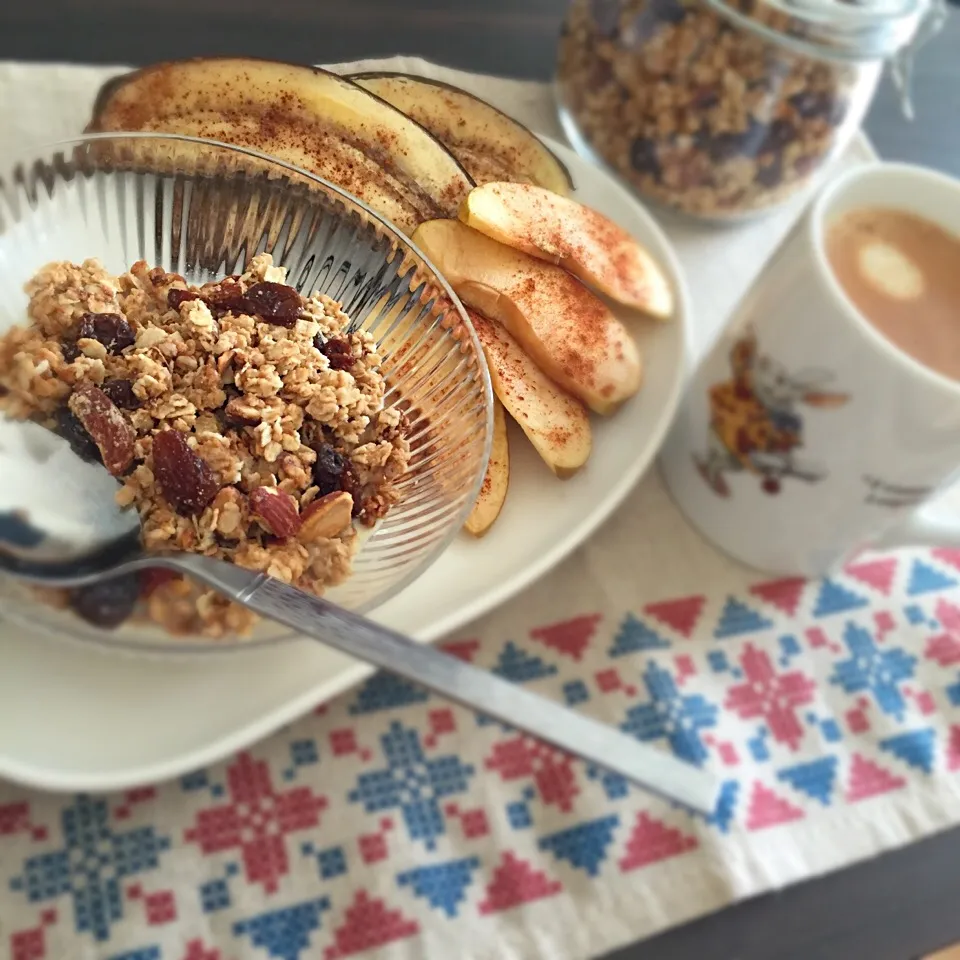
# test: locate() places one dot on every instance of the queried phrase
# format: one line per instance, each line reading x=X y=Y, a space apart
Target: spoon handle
x=650 y=768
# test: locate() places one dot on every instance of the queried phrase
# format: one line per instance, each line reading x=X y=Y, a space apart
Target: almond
x=326 y=516
x=108 y=427
x=276 y=511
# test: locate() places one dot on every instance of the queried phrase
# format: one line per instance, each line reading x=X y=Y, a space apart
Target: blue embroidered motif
x=871 y=668
x=412 y=782
x=672 y=716
x=91 y=866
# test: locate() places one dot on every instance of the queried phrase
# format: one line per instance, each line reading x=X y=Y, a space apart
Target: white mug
x=805 y=435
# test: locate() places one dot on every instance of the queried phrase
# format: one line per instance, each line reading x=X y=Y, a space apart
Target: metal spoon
x=38 y=558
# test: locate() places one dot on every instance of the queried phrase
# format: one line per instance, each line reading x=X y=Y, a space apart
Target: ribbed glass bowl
x=202 y=209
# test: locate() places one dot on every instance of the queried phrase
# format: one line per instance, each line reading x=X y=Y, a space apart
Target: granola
x=243 y=421
x=698 y=113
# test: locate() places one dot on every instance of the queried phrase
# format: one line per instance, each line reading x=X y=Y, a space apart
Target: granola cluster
x=698 y=113
x=242 y=420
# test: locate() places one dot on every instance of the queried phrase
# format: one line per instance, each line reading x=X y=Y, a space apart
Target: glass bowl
x=201 y=209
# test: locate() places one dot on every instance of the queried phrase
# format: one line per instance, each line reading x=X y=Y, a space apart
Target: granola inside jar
x=722 y=108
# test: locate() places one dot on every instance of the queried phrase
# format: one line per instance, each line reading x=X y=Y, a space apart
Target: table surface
x=896 y=907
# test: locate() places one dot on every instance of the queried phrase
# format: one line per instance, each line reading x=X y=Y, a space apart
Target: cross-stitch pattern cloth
x=391 y=824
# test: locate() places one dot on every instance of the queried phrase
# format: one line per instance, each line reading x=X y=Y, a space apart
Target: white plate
x=78 y=717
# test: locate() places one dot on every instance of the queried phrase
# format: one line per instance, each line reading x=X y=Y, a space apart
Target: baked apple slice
x=303 y=115
x=568 y=331
x=556 y=423
x=489 y=144
x=583 y=241
x=495 y=481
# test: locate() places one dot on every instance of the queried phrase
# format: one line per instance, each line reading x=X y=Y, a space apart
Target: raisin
x=184 y=477
x=110 y=329
x=606 y=16
x=71 y=429
x=668 y=11
x=275 y=303
x=108 y=603
x=780 y=134
x=771 y=174
x=176 y=297
x=726 y=146
x=121 y=393
x=328 y=470
x=338 y=353
x=70 y=351
x=643 y=156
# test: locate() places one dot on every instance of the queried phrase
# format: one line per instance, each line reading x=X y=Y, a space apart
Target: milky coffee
x=902 y=272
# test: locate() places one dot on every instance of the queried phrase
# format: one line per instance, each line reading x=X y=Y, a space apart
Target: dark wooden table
x=896 y=907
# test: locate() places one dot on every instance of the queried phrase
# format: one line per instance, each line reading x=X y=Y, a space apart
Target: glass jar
x=723 y=108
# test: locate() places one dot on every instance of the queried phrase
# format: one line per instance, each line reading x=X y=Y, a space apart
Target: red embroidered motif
x=551 y=769
x=878 y=574
x=681 y=615
x=256 y=820
x=869 y=779
x=369 y=923
x=570 y=637
x=769 y=810
x=515 y=882
x=783 y=594
x=197 y=951
x=772 y=696
x=651 y=841
x=161 y=907
x=461 y=649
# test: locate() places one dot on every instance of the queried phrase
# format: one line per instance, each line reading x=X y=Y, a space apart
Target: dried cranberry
x=184 y=477
x=110 y=329
x=154 y=577
x=70 y=351
x=275 y=303
x=107 y=603
x=338 y=352
x=328 y=469
x=176 y=297
x=71 y=429
x=121 y=393
x=643 y=156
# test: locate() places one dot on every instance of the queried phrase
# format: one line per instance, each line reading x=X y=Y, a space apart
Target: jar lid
x=845 y=29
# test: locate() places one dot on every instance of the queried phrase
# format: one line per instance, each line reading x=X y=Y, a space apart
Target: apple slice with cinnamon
x=583 y=241
x=496 y=479
x=569 y=332
x=556 y=423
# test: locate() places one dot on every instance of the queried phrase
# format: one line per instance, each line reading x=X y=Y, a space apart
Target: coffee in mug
x=902 y=272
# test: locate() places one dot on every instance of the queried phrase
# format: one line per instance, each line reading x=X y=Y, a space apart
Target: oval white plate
x=76 y=717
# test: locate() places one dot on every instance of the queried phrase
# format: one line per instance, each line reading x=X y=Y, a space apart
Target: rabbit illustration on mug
x=754 y=420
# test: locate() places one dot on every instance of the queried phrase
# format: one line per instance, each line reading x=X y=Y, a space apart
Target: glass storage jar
x=724 y=108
